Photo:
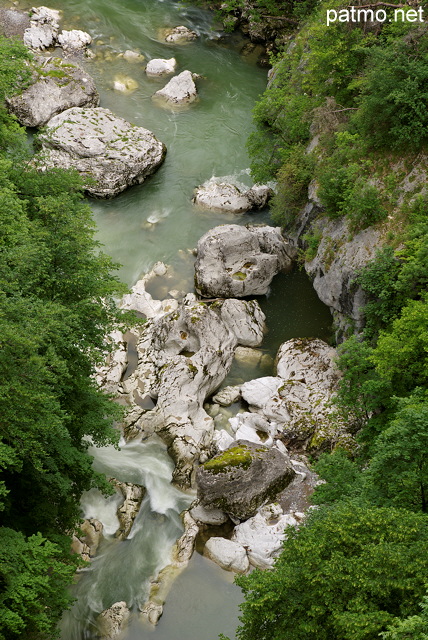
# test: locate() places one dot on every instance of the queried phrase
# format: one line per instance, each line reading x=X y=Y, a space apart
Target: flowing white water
x=122 y=569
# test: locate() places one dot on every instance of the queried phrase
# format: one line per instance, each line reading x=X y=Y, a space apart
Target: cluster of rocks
x=43 y=32
x=109 y=153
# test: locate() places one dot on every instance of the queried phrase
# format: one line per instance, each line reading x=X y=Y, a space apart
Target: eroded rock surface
x=235 y=261
x=111 y=622
x=262 y=535
x=239 y=480
x=43 y=29
x=221 y=196
x=110 y=151
x=297 y=402
x=57 y=86
x=13 y=23
x=183 y=357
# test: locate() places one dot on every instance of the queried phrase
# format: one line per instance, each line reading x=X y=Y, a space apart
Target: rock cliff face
x=339 y=258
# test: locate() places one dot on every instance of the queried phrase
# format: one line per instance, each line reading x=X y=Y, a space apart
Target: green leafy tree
x=411 y=628
x=346 y=574
x=33 y=579
x=398 y=471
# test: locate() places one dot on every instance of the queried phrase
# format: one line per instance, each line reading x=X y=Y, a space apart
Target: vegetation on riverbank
x=346 y=109
x=57 y=307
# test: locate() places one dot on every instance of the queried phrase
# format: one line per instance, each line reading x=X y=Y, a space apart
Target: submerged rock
x=239 y=480
x=222 y=196
x=108 y=150
x=57 y=86
x=124 y=84
x=228 y=554
x=179 y=35
x=180 y=90
x=111 y=622
x=132 y=56
x=161 y=67
x=235 y=261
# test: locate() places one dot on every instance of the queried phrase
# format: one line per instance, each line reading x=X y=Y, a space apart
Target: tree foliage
x=345 y=575
x=56 y=310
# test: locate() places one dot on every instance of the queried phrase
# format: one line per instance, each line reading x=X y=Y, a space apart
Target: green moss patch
x=234 y=457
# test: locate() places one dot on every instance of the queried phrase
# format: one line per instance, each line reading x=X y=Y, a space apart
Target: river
x=157 y=221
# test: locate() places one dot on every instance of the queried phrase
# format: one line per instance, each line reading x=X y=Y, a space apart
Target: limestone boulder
x=263 y=534
x=239 y=480
x=180 y=90
x=222 y=196
x=179 y=35
x=108 y=150
x=87 y=540
x=228 y=554
x=112 y=622
x=74 y=41
x=57 y=86
x=299 y=400
x=43 y=29
x=227 y=396
x=235 y=261
x=161 y=67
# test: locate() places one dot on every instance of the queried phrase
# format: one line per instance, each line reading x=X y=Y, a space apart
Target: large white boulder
x=235 y=261
x=74 y=41
x=43 y=29
x=229 y=555
x=262 y=535
x=180 y=90
x=223 y=196
x=57 y=86
x=113 y=153
x=161 y=67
